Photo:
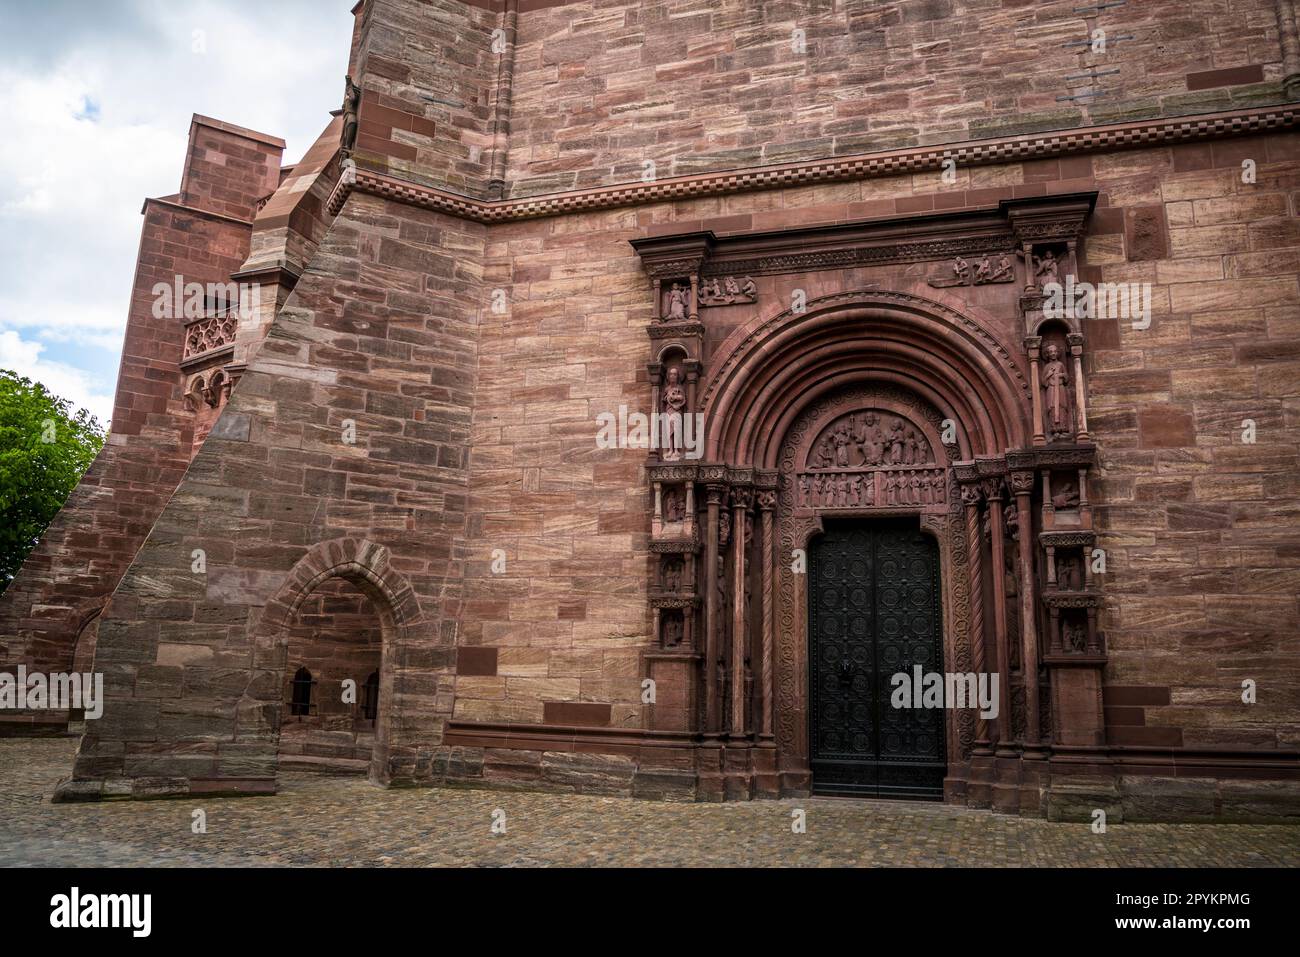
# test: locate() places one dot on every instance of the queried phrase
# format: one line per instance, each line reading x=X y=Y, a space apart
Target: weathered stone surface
x=406 y=482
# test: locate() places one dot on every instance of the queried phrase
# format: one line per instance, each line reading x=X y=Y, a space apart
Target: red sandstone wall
x=601 y=87
x=428 y=75
x=1203 y=534
x=88 y=546
x=277 y=477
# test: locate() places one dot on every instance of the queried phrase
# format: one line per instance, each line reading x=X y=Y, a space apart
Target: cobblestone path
x=318 y=820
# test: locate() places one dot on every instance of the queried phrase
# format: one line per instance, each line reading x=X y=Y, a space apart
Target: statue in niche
x=1011 y=521
x=1046 y=269
x=1068 y=573
x=674 y=408
x=673 y=575
x=674 y=506
x=1067 y=497
x=1056 y=401
x=676 y=304
x=1011 y=588
x=855 y=491
x=351 y=110
x=672 y=631
x=804 y=488
x=1074 y=637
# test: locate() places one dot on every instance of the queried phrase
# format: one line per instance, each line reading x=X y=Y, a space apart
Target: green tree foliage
x=43 y=454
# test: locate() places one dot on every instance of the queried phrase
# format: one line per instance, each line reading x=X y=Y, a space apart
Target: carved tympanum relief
x=870 y=458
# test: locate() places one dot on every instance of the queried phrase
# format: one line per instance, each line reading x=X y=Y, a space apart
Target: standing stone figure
x=1056 y=383
x=1046 y=269
x=351 y=108
x=676 y=304
x=674 y=408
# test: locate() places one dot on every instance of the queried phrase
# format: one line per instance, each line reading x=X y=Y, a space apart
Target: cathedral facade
x=717 y=401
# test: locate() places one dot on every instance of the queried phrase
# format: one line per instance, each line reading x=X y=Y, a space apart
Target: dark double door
x=874 y=611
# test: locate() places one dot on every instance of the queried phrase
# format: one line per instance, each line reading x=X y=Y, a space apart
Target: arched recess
x=768 y=370
x=778 y=381
x=367 y=566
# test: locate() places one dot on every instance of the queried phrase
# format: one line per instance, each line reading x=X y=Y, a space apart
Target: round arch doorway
x=875 y=614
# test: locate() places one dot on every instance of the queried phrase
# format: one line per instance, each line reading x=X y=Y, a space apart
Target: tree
x=44 y=451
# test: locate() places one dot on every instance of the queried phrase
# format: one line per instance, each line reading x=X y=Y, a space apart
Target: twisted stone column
x=970 y=496
x=767 y=507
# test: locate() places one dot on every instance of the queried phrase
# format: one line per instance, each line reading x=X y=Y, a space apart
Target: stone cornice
x=915 y=238
x=1142 y=133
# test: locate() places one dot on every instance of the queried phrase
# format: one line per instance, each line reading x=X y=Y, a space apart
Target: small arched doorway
x=330 y=703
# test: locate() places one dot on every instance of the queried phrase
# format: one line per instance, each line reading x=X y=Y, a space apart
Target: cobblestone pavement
x=318 y=820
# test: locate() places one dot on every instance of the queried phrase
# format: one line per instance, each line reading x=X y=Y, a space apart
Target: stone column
x=715 y=494
x=767 y=508
x=970 y=497
x=993 y=494
x=695 y=297
x=1033 y=345
x=741 y=499
x=1080 y=390
x=1022 y=484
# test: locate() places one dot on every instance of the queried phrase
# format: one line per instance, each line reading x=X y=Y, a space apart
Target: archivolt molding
x=359 y=561
x=976 y=361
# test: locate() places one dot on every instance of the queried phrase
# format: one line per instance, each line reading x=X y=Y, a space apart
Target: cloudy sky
x=95 y=111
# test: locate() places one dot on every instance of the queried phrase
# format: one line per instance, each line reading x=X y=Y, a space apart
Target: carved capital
x=742 y=497
x=715 y=495
x=994 y=490
x=766 y=499
x=1022 y=483
x=971 y=494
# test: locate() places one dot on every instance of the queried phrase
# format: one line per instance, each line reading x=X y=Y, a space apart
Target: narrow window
x=300 y=704
x=370 y=700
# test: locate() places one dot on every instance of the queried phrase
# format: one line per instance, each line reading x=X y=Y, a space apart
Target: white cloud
x=64 y=381
x=96 y=111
